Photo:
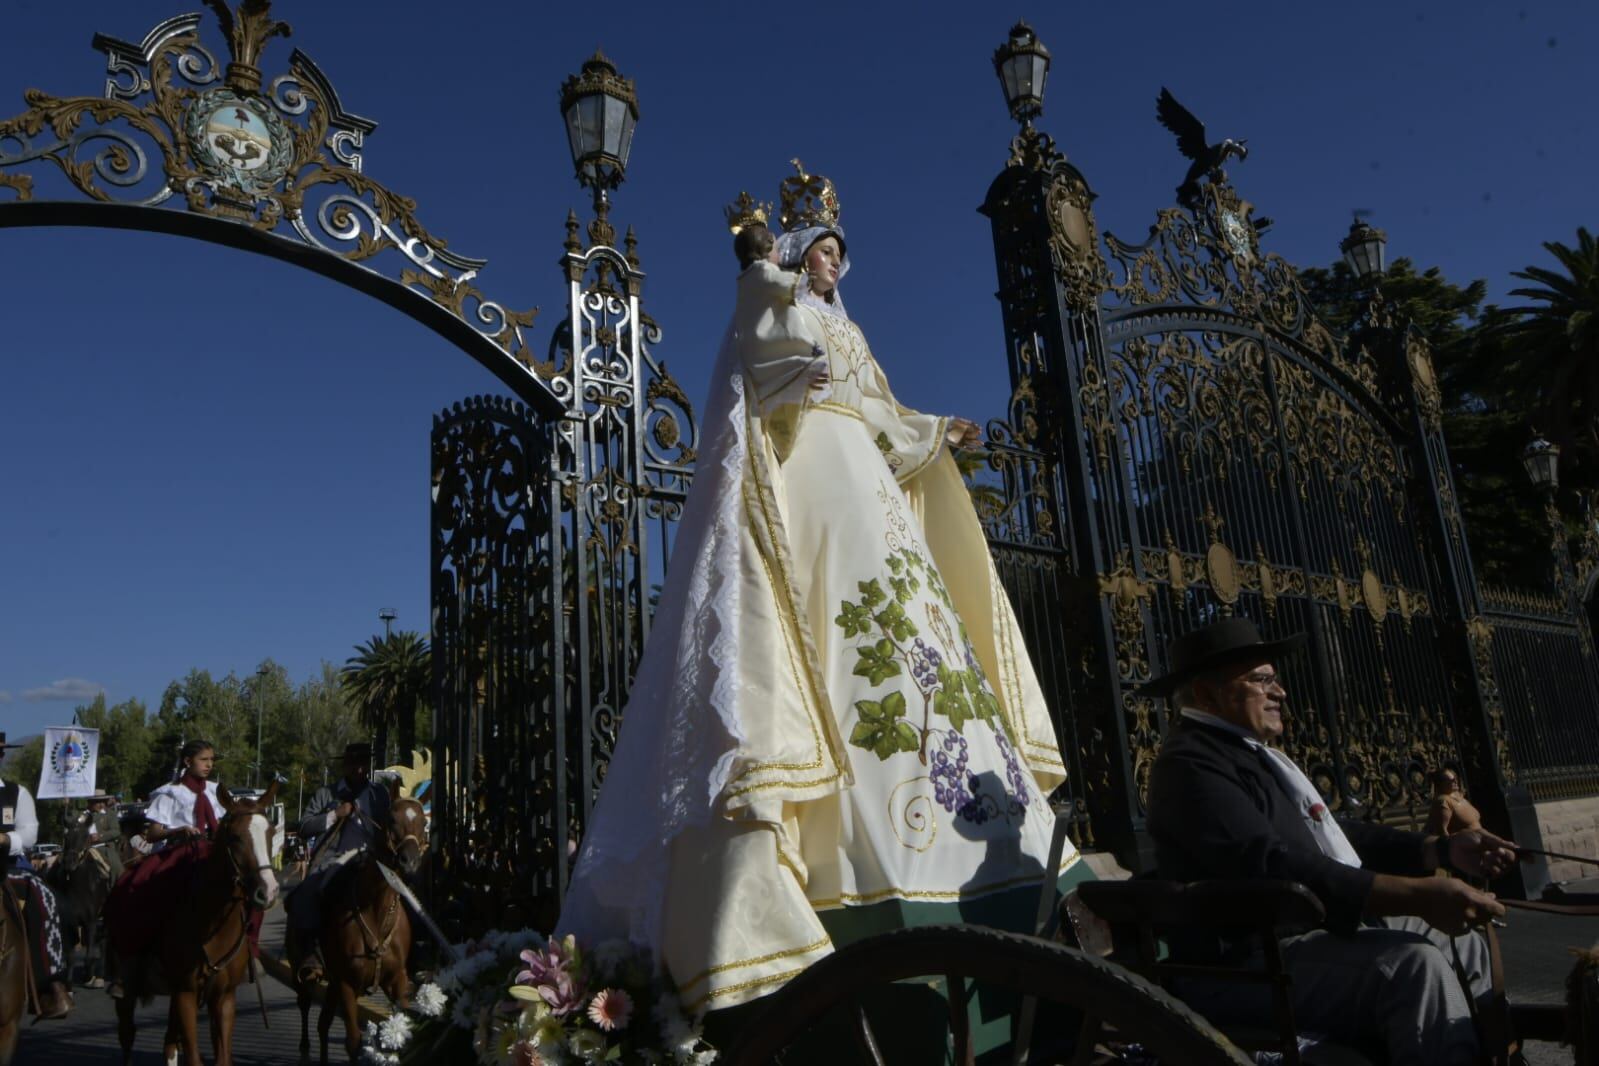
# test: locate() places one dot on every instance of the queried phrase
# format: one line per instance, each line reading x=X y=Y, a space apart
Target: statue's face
x=822 y=262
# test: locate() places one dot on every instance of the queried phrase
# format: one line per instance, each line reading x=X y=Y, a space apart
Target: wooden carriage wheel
x=965 y=957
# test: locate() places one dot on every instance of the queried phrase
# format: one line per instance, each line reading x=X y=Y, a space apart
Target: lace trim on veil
x=668 y=750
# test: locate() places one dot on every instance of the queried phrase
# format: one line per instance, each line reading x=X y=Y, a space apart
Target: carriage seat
x=1139 y=910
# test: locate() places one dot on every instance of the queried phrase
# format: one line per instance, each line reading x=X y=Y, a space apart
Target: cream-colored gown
x=895 y=747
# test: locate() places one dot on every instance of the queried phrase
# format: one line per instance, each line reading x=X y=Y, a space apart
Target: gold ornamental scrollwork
x=1128 y=597
x=1272 y=582
x=1221 y=568
x=1375 y=598
x=1481 y=633
x=1429 y=398
x=173 y=128
x=1073 y=238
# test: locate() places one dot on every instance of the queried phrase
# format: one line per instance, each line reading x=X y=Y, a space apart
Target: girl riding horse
x=205 y=948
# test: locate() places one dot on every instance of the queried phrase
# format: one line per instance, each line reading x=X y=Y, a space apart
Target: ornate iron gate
x=1214 y=449
x=549 y=539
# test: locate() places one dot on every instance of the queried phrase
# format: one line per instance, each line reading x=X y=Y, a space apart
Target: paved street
x=89 y=1035
x=1536 y=963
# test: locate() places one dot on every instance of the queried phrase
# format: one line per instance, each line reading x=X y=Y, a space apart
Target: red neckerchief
x=205 y=816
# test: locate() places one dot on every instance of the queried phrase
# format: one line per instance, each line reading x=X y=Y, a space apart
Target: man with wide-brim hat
x=105 y=831
x=19 y=831
x=1225 y=803
x=348 y=817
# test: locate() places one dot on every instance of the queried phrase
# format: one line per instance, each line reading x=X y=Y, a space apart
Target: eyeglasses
x=1265 y=681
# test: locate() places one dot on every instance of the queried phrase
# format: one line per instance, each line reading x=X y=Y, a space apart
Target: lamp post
x=260 y=704
x=1363 y=250
x=1541 y=459
x=1022 y=64
x=387 y=615
x=601 y=110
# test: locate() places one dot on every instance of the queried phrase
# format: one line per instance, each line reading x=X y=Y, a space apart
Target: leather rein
x=377 y=947
x=235 y=895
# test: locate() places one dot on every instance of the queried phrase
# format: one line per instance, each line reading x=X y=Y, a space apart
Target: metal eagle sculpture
x=1190 y=132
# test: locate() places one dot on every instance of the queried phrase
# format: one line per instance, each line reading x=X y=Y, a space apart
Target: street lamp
x=1541 y=459
x=601 y=110
x=387 y=615
x=1022 y=64
x=260 y=703
x=1363 y=250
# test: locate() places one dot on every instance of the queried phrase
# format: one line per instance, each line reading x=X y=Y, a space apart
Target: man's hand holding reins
x=1477 y=853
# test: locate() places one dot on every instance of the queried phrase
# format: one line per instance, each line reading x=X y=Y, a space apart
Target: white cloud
x=68 y=688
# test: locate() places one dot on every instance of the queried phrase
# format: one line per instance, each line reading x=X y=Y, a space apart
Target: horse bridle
x=418 y=840
x=238 y=868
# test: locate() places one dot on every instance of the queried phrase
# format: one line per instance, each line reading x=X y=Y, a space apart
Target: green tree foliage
x=389 y=683
x=1485 y=426
x=1547 y=352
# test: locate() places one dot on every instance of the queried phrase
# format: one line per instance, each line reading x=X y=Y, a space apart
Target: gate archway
x=182 y=144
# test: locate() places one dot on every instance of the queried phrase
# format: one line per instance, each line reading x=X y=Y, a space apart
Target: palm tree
x=386 y=681
x=1555 y=343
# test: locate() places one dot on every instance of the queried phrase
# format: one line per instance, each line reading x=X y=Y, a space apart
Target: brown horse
x=13 y=973
x=366 y=931
x=204 y=951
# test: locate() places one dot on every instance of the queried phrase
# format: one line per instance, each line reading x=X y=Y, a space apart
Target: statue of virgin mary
x=835 y=729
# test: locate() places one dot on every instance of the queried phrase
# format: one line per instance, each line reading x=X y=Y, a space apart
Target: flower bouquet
x=519 y=999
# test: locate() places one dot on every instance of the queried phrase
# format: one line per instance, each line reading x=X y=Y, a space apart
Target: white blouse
x=24 y=822
x=173 y=805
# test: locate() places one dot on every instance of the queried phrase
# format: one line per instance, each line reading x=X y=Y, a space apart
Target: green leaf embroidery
x=882 y=729
x=854 y=619
x=984 y=705
x=872 y=593
x=895 y=622
x=952 y=703
x=878 y=662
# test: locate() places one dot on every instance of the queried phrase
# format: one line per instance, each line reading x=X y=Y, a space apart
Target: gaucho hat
x=1230 y=640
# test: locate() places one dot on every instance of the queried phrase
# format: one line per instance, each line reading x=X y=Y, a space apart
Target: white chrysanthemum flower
x=395 y=1032
x=430 y=1000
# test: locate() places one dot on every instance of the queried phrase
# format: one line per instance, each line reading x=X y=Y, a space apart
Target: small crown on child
x=746 y=211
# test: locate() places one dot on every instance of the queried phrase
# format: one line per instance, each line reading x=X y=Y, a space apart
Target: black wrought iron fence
x=1545 y=667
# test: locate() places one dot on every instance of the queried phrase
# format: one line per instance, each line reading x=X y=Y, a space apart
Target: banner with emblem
x=71 y=756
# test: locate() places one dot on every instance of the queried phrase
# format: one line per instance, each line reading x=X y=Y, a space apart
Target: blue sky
x=208 y=459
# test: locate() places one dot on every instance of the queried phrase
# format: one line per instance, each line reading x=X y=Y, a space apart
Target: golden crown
x=746 y=211
x=808 y=200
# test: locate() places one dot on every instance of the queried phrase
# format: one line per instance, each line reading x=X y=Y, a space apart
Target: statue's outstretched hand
x=963 y=433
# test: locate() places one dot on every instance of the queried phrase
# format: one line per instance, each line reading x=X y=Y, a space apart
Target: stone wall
x=1572 y=827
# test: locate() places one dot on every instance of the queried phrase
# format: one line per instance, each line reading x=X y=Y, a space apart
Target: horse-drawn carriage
x=1093 y=985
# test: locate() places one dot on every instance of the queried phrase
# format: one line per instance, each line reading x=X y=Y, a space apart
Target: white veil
x=672 y=758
